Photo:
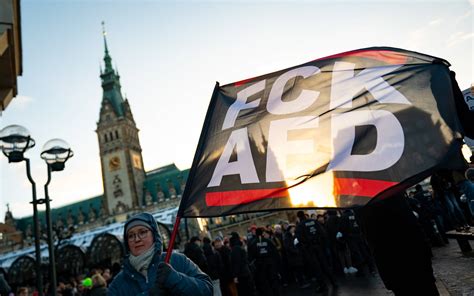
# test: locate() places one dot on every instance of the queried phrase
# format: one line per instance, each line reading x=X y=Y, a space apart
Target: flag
x=334 y=132
x=468 y=95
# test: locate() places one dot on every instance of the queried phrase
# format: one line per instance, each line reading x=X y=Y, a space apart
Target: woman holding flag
x=144 y=270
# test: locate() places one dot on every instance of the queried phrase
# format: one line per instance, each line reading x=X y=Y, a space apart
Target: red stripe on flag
x=238 y=197
x=360 y=187
x=342 y=186
x=242 y=82
x=387 y=56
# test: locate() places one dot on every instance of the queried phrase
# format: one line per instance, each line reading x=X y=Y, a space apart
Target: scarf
x=142 y=261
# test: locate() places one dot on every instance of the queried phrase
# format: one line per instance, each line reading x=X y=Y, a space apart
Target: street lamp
x=15 y=140
x=55 y=152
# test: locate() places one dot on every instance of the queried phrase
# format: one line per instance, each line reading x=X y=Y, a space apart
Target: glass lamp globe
x=15 y=140
x=56 y=152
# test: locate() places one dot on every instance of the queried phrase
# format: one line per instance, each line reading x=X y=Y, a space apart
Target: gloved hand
x=295 y=241
x=338 y=235
x=162 y=273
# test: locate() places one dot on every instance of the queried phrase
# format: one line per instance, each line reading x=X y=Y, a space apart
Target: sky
x=170 y=54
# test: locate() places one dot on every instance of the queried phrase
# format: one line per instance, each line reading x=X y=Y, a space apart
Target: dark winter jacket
x=196 y=254
x=98 y=291
x=263 y=251
x=4 y=287
x=239 y=261
x=310 y=233
x=214 y=261
x=294 y=253
x=398 y=243
x=185 y=278
x=225 y=275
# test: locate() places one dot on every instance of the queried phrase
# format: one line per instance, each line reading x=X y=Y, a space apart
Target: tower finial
x=104 y=33
x=107 y=58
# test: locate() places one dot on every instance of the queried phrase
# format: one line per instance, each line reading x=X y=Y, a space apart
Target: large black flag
x=333 y=132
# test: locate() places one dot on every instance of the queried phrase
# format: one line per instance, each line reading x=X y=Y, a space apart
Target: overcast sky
x=169 y=55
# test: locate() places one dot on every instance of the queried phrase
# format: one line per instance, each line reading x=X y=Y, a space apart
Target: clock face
x=114 y=163
x=137 y=162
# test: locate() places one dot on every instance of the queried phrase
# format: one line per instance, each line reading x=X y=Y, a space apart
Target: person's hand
x=162 y=273
x=236 y=280
x=295 y=241
x=338 y=235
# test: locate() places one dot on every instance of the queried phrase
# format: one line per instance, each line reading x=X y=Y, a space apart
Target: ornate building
x=10 y=237
x=120 y=151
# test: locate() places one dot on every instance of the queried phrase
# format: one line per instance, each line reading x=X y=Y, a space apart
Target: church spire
x=107 y=58
x=111 y=81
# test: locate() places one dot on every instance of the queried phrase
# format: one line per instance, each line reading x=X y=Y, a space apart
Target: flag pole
x=172 y=239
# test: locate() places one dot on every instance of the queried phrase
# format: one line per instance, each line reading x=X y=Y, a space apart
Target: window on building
x=111 y=136
x=106 y=138
x=116 y=134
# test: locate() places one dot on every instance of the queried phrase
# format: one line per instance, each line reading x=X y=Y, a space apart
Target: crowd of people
x=311 y=252
x=445 y=205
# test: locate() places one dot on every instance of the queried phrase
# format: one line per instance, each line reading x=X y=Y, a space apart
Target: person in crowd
x=335 y=242
x=99 y=286
x=214 y=263
x=442 y=185
x=4 y=286
x=326 y=245
x=107 y=275
x=310 y=234
x=240 y=267
x=22 y=291
x=228 y=287
x=144 y=270
x=399 y=246
x=61 y=288
x=427 y=215
x=251 y=233
x=359 y=251
x=277 y=240
x=194 y=252
x=295 y=256
x=265 y=254
x=86 y=286
x=466 y=188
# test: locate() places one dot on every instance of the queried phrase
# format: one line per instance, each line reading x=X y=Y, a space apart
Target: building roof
x=84 y=239
x=166 y=177
x=73 y=208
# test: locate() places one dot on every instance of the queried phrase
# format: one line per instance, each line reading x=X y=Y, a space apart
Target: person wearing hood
x=144 y=271
x=240 y=267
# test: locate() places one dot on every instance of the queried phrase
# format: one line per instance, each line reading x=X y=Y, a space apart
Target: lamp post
x=55 y=152
x=15 y=140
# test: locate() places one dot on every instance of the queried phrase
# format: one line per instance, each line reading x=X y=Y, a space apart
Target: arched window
x=22 y=271
x=106 y=138
x=116 y=134
x=105 y=250
x=111 y=136
x=70 y=261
